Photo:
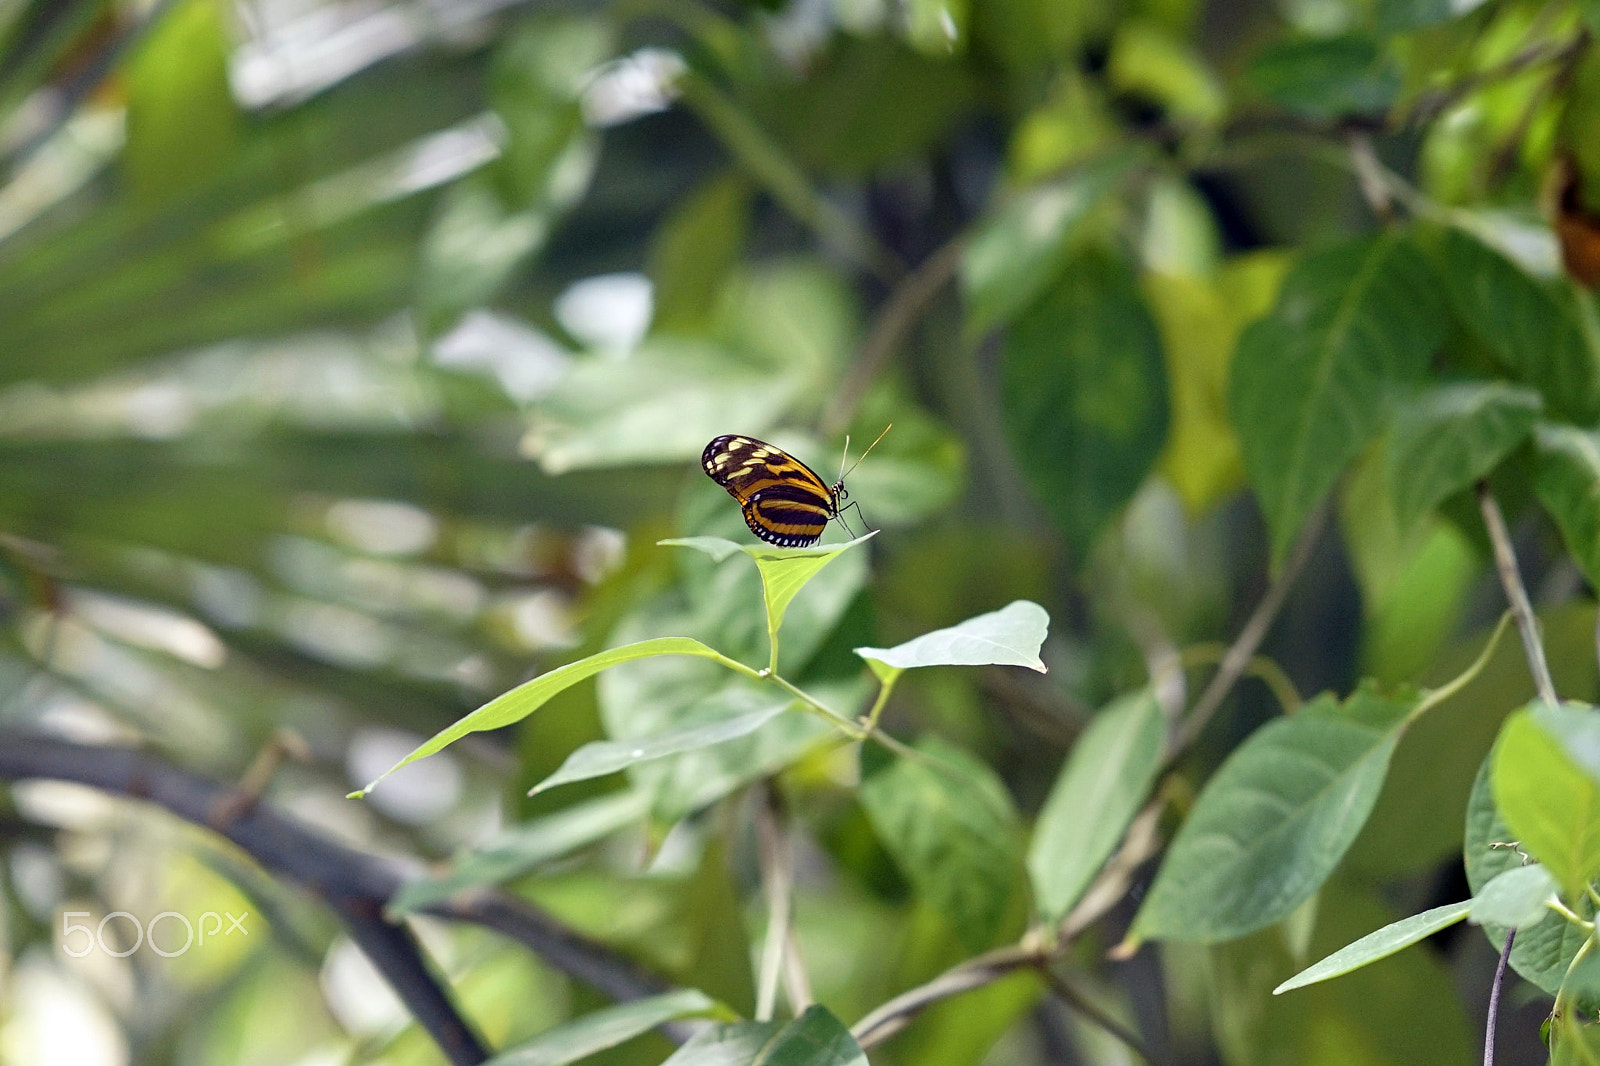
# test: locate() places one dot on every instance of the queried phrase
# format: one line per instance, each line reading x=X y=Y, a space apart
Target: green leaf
x=1311 y=381
x=1379 y=944
x=1326 y=77
x=1273 y=821
x=607 y=1028
x=1514 y=899
x=784 y=571
x=1399 y=15
x=1550 y=801
x=661 y=404
x=1020 y=251
x=1542 y=953
x=695 y=251
x=1534 y=329
x=1566 y=478
x=528 y=697
x=182 y=122
x=1448 y=437
x=1084 y=395
x=524 y=847
x=736 y=1044
x=816 y=1038
x=1108 y=775
x=949 y=824
x=609 y=756
x=1010 y=636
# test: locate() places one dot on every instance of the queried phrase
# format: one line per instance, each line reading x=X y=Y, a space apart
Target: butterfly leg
x=864 y=522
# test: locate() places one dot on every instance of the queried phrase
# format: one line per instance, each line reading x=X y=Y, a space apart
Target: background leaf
x=1311 y=381
x=1515 y=898
x=1108 y=774
x=950 y=826
x=1083 y=388
x=1273 y=821
x=1449 y=437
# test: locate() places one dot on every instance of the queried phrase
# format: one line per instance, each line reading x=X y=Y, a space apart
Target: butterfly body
x=785 y=502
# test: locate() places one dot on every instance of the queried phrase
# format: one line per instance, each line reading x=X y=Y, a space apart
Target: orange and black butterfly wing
x=784 y=501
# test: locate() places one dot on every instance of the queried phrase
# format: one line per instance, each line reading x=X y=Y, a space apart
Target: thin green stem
x=884 y=688
x=1569 y=914
x=1465 y=678
x=810 y=702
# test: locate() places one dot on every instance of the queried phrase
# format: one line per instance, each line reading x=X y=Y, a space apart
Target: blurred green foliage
x=355 y=357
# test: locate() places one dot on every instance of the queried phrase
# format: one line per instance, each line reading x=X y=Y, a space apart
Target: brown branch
x=1138 y=844
x=1505 y=562
x=355 y=884
x=907 y=303
x=1069 y=995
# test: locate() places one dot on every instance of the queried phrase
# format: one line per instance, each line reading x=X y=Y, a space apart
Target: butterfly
x=785 y=502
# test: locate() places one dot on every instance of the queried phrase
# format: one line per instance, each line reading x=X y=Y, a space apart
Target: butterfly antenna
x=845 y=456
x=871 y=446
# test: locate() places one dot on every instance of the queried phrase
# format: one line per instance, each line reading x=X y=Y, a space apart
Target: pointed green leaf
x=1273 y=821
x=784 y=571
x=609 y=756
x=1312 y=381
x=1548 y=798
x=1379 y=944
x=528 y=697
x=607 y=1028
x=1449 y=436
x=524 y=847
x=1010 y=636
x=1535 y=329
x=1108 y=775
x=949 y=824
x=1514 y=899
x=1566 y=478
x=1083 y=388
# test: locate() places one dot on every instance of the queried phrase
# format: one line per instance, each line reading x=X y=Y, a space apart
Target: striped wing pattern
x=784 y=501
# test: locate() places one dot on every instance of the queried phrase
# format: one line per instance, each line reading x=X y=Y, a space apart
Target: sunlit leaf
x=1550 y=799
x=528 y=697
x=1010 y=636
x=1106 y=777
x=1541 y=953
x=784 y=571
